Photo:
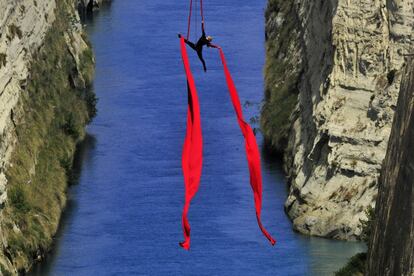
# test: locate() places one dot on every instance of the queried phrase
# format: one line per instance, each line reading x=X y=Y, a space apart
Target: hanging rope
x=196 y=22
x=202 y=13
x=189 y=20
x=190 y=13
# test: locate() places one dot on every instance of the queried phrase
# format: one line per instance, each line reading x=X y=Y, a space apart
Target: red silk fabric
x=192 y=156
x=193 y=147
x=252 y=150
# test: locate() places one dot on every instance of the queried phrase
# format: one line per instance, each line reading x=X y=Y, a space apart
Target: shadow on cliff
x=88 y=8
x=318 y=58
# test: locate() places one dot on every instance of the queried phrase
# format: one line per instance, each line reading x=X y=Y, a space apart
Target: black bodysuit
x=198 y=47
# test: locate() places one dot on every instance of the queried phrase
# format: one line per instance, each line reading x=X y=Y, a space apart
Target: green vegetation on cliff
x=282 y=71
x=49 y=124
x=355 y=266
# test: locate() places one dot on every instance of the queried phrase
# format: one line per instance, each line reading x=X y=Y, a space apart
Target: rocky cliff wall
x=391 y=249
x=23 y=28
x=337 y=64
x=45 y=67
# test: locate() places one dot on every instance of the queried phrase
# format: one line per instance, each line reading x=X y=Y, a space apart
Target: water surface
x=123 y=216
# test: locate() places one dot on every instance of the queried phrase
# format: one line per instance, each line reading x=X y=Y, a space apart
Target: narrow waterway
x=123 y=216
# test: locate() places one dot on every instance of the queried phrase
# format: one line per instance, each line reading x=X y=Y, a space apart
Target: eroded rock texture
x=87 y=7
x=23 y=27
x=391 y=249
x=338 y=65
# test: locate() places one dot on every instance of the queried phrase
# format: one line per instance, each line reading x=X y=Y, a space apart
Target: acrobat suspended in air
x=204 y=40
x=192 y=155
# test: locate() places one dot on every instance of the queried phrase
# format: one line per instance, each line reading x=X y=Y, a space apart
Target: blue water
x=123 y=215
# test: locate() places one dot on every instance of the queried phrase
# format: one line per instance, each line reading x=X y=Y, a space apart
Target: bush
x=355 y=266
x=367 y=225
x=87 y=66
x=71 y=127
x=91 y=102
x=18 y=199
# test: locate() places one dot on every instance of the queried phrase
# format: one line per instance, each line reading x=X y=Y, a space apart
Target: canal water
x=124 y=211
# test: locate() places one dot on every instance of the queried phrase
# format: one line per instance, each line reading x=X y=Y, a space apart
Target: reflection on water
x=123 y=216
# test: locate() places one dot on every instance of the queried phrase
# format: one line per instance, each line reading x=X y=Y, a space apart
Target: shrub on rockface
x=367 y=225
x=282 y=72
x=17 y=199
x=355 y=266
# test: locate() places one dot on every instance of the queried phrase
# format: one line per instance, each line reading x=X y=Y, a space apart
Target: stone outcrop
x=331 y=89
x=391 y=249
x=45 y=67
x=86 y=7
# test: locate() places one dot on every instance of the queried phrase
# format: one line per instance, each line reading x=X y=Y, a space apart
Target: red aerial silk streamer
x=192 y=156
x=252 y=150
x=193 y=147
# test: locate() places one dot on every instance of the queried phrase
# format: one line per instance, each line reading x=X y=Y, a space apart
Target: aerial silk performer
x=192 y=155
x=204 y=40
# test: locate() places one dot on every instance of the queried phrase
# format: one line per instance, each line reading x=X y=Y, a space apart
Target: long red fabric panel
x=192 y=156
x=252 y=150
x=193 y=147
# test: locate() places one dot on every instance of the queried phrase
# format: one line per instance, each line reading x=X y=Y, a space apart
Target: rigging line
x=202 y=12
x=189 y=19
x=196 y=22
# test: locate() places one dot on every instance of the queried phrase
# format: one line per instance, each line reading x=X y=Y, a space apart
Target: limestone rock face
x=22 y=30
x=347 y=84
x=24 y=25
x=391 y=249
